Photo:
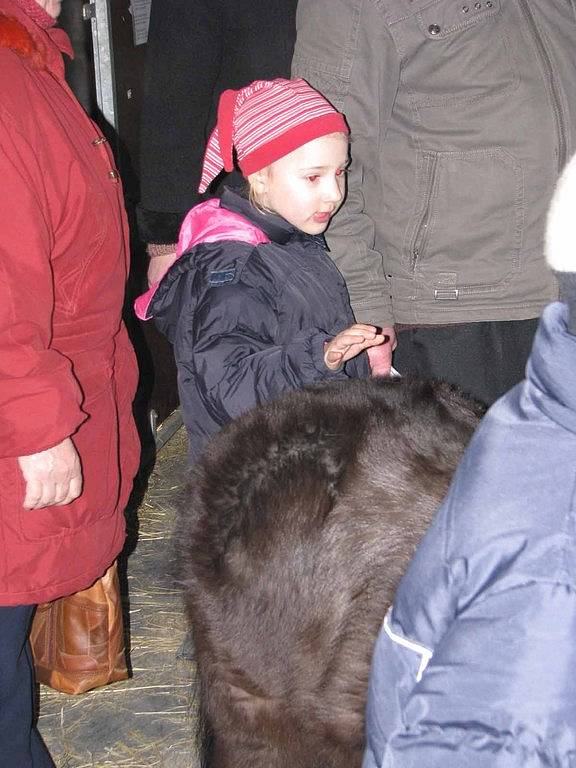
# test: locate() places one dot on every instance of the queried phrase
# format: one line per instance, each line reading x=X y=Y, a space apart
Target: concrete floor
x=148 y=720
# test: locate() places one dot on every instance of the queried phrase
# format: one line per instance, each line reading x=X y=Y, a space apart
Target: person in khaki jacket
x=462 y=115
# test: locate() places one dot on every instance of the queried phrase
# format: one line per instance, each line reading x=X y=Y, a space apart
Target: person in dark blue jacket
x=474 y=664
x=254 y=306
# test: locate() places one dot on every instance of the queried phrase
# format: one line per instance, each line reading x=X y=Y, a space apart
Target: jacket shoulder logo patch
x=222 y=276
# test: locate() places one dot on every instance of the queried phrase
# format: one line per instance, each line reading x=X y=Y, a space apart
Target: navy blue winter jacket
x=249 y=322
x=475 y=665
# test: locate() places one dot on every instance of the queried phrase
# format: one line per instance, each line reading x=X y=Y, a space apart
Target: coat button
x=99 y=140
x=434 y=29
x=113 y=174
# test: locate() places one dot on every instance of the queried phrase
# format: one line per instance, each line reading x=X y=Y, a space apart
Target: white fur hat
x=560 y=241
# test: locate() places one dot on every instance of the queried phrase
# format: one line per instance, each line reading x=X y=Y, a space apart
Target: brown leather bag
x=78 y=641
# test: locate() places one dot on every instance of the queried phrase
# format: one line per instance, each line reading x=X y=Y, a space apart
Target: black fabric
x=156 y=227
x=483 y=359
x=250 y=322
x=20 y=742
x=195 y=51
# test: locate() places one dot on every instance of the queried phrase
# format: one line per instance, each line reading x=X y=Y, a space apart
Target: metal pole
x=98 y=11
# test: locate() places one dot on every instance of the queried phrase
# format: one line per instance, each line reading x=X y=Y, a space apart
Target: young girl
x=253 y=304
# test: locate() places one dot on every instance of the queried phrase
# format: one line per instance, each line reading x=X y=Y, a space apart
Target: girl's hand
x=349 y=343
x=53 y=476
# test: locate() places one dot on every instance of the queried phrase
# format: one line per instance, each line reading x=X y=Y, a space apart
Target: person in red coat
x=68 y=445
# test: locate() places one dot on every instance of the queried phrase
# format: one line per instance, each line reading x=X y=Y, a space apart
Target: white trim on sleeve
x=421 y=650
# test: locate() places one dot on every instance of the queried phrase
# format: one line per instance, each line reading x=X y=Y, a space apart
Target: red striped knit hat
x=265 y=121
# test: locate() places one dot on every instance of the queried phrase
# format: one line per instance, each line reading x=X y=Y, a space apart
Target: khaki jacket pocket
x=467 y=225
x=455 y=53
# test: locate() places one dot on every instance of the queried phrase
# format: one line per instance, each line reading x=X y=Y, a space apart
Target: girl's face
x=306 y=187
x=52 y=7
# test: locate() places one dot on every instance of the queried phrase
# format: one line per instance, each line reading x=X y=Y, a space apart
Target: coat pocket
x=465 y=235
x=444 y=18
x=455 y=52
x=97 y=444
x=90 y=231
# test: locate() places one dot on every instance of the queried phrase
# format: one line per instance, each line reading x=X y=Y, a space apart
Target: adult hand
x=349 y=343
x=161 y=259
x=381 y=357
x=53 y=476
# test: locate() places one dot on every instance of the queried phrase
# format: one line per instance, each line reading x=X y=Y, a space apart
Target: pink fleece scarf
x=36 y=13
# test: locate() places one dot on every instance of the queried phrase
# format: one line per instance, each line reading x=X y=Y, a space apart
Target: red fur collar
x=15 y=36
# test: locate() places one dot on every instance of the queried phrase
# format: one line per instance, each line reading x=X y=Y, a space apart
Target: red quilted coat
x=66 y=365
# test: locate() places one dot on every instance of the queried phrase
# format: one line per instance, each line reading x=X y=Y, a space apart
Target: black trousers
x=483 y=359
x=20 y=743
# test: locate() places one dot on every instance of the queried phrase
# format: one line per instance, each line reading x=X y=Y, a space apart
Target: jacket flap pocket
x=445 y=17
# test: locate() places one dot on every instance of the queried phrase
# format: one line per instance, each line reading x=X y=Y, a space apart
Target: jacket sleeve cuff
x=316 y=369
x=374 y=312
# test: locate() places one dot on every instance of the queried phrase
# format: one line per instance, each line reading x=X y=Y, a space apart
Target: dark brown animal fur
x=303 y=516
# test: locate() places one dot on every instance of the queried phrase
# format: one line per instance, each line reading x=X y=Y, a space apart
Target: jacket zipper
x=422 y=231
x=553 y=87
